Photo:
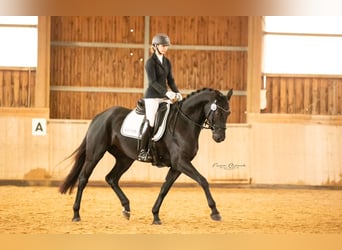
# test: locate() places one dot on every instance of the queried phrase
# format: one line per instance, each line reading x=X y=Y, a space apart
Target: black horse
x=205 y=108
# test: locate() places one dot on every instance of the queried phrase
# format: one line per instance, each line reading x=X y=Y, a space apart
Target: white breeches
x=151 y=107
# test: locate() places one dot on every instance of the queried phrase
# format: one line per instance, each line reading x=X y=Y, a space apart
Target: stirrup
x=144 y=156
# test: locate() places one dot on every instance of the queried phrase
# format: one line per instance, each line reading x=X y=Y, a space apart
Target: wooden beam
x=124 y=90
x=254 y=63
x=42 y=90
x=24 y=112
x=332 y=120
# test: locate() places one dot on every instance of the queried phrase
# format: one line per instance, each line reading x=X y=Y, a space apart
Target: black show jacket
x=159 y=76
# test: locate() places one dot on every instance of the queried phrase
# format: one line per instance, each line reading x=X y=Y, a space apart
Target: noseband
x=207 y=123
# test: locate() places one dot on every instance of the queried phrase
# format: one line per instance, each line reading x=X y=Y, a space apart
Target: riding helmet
x=161 y=39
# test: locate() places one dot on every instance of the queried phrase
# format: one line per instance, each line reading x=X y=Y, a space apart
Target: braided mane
x=198 y=91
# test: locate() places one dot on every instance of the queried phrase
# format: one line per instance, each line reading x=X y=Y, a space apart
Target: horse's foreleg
x=189 y=170
x=171 y=177
x=113 y=177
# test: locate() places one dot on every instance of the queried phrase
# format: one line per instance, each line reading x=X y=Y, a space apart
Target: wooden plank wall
x=107 y=29
x=97 y=67
x=106 y=67
x=84 y=105
x=202 y=30
x=17 y=87
x=114 y=66
x=316 y=95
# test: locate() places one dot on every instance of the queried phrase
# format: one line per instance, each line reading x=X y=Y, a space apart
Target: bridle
x=207 y=123
x=211 y=125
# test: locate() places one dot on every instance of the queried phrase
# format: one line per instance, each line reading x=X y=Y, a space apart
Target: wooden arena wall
x=97 y=62
x=17 y=87
x=304 y=94
x=271 y=150
x=82 y=70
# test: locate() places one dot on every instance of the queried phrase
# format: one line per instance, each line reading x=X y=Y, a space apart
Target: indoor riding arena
x=278 y=171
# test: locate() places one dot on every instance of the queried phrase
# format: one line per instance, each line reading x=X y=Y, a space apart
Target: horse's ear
x=230 y=93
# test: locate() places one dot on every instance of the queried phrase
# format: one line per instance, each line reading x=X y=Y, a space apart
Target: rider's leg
x=151 y=107
x=144 y=154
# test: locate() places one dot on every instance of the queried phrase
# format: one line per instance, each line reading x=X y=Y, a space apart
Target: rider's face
x=162 y=48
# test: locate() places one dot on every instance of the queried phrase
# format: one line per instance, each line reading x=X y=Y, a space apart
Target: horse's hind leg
x=83 y=178
x=121 y=166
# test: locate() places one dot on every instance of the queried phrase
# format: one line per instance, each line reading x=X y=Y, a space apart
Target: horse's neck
x=194 y=108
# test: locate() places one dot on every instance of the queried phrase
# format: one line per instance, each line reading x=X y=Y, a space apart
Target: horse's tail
x=79 y=158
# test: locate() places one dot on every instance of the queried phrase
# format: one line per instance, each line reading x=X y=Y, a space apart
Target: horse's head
x=217 y=113
x=212 y=114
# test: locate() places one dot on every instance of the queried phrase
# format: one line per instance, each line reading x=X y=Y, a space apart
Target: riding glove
x=171 y=95
x=179 y=97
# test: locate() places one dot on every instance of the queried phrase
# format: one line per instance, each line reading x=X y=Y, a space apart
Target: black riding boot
x=144 y=154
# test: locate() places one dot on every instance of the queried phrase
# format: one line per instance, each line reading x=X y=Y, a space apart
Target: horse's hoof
x=126 y=214
x=76 y=219
x=216 y=217
x=156 y=222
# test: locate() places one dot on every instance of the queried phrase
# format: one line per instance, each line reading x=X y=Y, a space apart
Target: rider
x=159 y=74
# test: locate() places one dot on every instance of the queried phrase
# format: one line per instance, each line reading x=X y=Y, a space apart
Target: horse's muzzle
x=219 y=137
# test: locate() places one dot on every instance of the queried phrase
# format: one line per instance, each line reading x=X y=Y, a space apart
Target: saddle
x=133 y=125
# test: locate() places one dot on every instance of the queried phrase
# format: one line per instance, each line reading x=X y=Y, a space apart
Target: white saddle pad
x=132 y=124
